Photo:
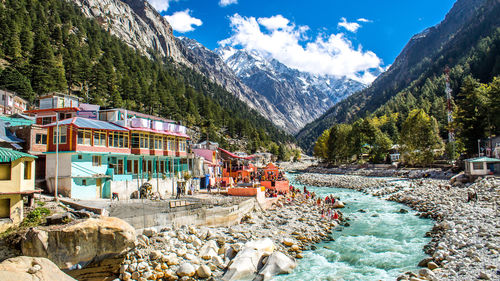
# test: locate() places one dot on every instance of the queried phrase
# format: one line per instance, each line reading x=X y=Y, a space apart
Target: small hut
x=481 y=166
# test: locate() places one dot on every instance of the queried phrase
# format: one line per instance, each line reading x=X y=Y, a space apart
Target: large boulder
x=29 y=268
x=277 y=263
x=79 y=242
x=209 y=250
x=245 y=263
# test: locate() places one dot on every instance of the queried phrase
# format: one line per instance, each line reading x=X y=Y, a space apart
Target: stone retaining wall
x=142 y=216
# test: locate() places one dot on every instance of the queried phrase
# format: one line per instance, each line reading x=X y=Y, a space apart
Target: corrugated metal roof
x=89 y=124
x=11 y=122
x=9 y=155
x=483 y=159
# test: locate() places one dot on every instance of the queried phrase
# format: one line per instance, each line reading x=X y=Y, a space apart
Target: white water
x=380 y=244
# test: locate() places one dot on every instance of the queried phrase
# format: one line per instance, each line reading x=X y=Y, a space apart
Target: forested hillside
x=49 y=45
x=468 y=41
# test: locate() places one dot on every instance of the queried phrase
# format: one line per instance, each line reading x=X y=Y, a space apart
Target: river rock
x=277 y=263
x=150 y=232
x=245 y=264
x=432 y=265
x=338 y=204
x=186 y=269
x=209 y=250
x=203 y=271
x=84 y=241
x=288 y=242
x=29 y=268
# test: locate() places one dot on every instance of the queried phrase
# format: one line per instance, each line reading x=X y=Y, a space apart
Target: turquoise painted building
x=97 y=159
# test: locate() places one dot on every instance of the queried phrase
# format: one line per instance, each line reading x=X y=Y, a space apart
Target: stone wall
x=160 y=214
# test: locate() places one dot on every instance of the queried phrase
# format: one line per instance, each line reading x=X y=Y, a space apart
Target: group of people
x=274 y=193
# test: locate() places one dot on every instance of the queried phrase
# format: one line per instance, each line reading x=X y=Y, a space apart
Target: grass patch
x=35 y=217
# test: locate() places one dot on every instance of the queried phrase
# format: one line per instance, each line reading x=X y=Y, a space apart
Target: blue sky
x=342 y=38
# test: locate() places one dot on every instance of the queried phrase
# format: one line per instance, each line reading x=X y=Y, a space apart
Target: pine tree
x=471 y=116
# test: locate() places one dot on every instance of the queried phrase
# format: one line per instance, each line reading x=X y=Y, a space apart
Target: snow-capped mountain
x=300 y=96
x=213 y=67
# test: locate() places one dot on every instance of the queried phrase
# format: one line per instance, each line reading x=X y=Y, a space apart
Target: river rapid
x=381 y=242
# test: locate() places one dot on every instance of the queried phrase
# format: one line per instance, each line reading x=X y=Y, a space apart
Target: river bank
x=465 y=238
x=203 y=252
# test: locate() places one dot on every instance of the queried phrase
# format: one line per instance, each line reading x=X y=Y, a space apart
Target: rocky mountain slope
x=300 y=96
x=424 y=56
x=135 y=22
x=213 y=67
x=275 y=91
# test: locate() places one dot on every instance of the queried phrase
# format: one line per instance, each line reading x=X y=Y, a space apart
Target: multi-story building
x=10 y=103
x=17 y=172
x=35 y=143
x=116 y=154
x=53 y=106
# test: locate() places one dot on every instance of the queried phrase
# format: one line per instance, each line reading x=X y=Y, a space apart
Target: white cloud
x=364 y=20
x=332 y=55
x=274 y=22
x=182 y=21
x=351 y=26
x=160 y=5
x=224 y=3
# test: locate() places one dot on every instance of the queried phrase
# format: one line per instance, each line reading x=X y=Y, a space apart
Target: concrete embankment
x=158 y=214
x=465 y=239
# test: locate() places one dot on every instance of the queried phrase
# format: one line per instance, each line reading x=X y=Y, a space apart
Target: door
x=98 y=184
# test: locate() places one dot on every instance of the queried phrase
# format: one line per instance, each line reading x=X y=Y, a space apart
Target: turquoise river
x=380 y=244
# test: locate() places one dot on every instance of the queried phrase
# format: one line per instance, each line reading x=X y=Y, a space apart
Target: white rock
x=244 y=265
x=186 y=269
x=277 y=263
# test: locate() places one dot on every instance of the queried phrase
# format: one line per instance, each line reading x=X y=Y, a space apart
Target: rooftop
x=9 y=155
x=483 y=159
x=88 y=124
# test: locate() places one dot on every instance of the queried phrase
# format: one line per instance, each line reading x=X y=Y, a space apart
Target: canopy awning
x=9 y=155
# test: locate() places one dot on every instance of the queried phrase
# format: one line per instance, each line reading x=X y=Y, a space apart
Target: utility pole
x=451 y=133
x=57 y=158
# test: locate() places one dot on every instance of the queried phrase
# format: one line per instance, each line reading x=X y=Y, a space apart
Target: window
x=129 y=167
x=170 y=144
x=84 y=137
x=5 y=170
x=84 y=182
x=4 y=207
x=140 y=140
x=162 y=167
x=477 y=166
x=41 y=139
x=118 y=139
x=136 y=167
x=144 y=166
x=99 y=138
x=27 y=170
x=46 y=120
x=62 y=133
x=158 y=142
x=150 y=166
x=182 y=145
x=63 y=116
x=80 y=157
x=119 y=167
x=96 y=160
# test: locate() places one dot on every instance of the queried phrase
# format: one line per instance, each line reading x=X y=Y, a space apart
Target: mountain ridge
x=288 y=88
x=425 y=55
